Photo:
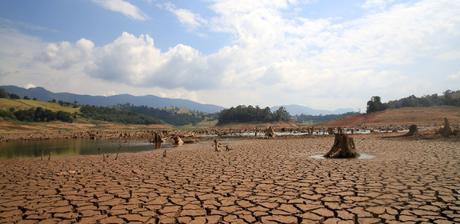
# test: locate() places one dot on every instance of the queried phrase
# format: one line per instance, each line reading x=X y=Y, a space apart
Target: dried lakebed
x=259 y=181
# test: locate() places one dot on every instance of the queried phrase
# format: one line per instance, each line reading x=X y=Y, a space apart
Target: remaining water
x=361 y=156
x=14 y=149
x=261 y=134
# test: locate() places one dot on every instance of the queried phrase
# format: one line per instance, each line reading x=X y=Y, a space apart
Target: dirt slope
x=422 y=116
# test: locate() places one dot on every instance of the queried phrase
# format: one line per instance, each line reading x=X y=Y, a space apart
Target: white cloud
x=455 y=76
x=123 y=7
x=63 y=55
x=186 y=17
x=273 y=58
x=136 y=61
x=29 y=86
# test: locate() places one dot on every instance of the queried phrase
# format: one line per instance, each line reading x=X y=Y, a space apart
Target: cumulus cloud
x=123 y=7
x=63 y=55
x=136 y=60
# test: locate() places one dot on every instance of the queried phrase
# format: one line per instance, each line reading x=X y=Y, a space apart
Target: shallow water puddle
x=15 y=149
x=361 y=156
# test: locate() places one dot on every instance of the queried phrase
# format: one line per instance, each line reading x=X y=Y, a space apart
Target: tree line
x=116 y=114
x=245 y=114
x=4 y=94
x=448 y=98
x=130 y=114
x=36 y=115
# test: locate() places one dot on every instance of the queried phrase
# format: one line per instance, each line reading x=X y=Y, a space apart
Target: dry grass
x=27 y=104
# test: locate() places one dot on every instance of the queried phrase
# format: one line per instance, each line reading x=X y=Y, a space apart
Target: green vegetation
x=375 y=104
x=250 y=114
x=448 y=98
x=36 y=115
x=12 y=107
x=116 y=114
x=314 y=119
x=130 y=114
x=175 y=116
x=20 y=104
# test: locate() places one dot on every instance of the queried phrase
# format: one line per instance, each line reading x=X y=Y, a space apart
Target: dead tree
x=270 y=132
x=344 y=147
x=216 y=146
x=157 y=140
x=446 y=131
x=178 y=141
x=413 y=130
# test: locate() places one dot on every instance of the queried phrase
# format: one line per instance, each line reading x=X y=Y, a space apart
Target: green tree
x=374 y=105
x=3 y=93
x=281 y=114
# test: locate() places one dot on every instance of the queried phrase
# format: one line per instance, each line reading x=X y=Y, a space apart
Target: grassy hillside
x=427 y=116
x=27 y=104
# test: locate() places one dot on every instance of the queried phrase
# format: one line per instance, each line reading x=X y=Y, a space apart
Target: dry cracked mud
x=259 y=181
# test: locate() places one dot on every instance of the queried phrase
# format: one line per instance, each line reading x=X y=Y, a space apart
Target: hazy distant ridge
x=148 y=100
x=295 y=109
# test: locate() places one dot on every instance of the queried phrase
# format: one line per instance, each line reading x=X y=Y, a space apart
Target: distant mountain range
x=295 y=109
x=148 y=100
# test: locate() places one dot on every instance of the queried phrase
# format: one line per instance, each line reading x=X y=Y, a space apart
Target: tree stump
x=216 y=146
x=344 y=147
x=158 y=140
x=413 y=130
x=270 y=132
x=446 y=131
x=178 y=141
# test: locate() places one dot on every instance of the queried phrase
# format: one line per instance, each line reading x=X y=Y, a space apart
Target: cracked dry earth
x=259 y=181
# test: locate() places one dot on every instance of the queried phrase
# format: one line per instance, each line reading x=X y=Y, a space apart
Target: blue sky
x=321 y=53
x=72 y=20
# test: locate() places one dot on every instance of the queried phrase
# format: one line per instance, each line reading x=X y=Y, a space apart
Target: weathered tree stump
x=446 y=131
x=178 y=141
x=413 y=130
x=270 y=132
x=344 y=147
x=216 y=146
x=157 y=140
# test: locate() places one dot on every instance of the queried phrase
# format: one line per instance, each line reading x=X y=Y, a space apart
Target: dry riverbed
x=259 y=181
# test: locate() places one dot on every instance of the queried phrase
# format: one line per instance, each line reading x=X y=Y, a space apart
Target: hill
x=422 y=116
x=21 y=104
x=148 y=100
x=295 y=109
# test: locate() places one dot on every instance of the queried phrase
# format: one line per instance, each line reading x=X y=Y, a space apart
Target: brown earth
x=259 y=181
x=421 y=116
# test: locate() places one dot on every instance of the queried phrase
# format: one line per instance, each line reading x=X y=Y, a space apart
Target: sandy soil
x=259 y=181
